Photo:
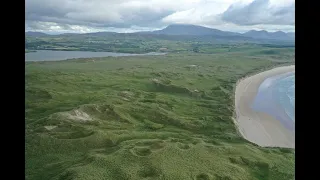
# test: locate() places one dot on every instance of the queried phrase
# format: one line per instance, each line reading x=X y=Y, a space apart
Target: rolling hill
x=35 y=34
x=269 y=35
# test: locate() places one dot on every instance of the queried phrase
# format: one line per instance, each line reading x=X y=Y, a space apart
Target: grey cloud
x=259 y=12
x=93 y=13
x=46 y=26
x=42 y=15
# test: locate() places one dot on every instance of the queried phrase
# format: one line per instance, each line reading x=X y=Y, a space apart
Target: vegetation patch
x=202 y=176
x=141 y=151
x=146 y=117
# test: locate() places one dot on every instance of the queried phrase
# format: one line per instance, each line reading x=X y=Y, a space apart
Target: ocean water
x=285 y=93
x=276 y=97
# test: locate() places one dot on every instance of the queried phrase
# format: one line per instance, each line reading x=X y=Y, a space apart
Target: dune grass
x=151 y=117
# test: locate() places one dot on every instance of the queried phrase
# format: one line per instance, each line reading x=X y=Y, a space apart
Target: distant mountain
x=96 y=34
x=188 y=32
x=278 y=35
x=35 y=34
x=193 y=30
x=291 y=34
x=101 y=34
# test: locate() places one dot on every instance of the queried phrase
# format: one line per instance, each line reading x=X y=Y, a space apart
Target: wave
x=285 y=93
x=276 y=96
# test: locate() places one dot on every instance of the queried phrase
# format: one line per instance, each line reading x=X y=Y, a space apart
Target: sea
x=276 y=97
x=285 y=92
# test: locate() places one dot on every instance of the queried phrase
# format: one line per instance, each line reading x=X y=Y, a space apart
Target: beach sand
x=258 y=127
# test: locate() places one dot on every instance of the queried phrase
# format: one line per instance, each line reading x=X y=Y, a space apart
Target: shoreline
x=272 y=106
x=258 y=127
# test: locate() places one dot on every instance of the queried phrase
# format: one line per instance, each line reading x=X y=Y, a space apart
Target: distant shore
x=29 y=51
x=258 y=127
x=50 y=55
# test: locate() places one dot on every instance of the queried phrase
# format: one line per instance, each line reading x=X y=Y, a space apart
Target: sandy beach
x=258 y=127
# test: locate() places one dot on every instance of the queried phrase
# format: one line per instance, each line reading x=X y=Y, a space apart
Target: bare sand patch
x=77 y=115
x=50 y=127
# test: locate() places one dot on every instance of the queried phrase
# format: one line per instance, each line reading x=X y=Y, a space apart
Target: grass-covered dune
x=150 y=117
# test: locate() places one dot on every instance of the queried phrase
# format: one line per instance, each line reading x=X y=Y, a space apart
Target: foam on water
x=276 y=96
x=285 y=92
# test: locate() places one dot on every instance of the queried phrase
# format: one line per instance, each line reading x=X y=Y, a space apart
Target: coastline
x=258 y=127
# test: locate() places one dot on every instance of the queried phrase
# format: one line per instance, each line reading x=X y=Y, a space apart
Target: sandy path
x=257 y=127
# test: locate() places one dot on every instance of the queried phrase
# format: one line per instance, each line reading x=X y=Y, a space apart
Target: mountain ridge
x=191 y=30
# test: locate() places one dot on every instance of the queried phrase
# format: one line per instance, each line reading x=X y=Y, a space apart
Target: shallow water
x=276 y=96
x=48 y=55
x=285 y=92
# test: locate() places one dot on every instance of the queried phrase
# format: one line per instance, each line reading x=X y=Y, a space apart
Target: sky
x=125 y=16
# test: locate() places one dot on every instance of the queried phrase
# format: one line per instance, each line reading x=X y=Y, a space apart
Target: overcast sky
x=83 y=16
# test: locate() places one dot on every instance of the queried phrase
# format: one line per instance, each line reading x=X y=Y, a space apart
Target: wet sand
x=258 y=127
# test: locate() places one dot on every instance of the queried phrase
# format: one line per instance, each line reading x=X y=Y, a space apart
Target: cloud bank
x=140 y=15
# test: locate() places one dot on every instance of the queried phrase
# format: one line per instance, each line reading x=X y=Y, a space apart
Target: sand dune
x=257 y=127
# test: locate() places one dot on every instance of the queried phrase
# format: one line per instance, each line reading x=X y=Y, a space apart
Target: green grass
x=150 y=117
x=134 y=43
